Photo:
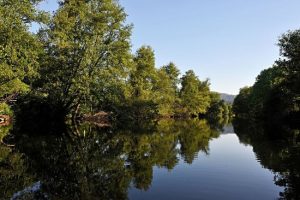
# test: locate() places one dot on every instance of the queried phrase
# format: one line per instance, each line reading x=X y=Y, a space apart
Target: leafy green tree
x=219 y=112
x=165 y=94
x=215 y=109
x=87 y=52
x=241 y=103
x=19 y=48
x=144 y=76
x=289 y=45
x=142 y=81
x=262 y=89
x=253 y=102
x=166 y=89
x=173 y=73
x=194 y=94
x=275 y=96
x=5 y=109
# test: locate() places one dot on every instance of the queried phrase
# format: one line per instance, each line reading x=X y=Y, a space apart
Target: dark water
x=166 y=160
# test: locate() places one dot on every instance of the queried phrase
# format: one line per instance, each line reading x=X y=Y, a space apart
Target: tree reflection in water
x=279 y=154
x=87 y=162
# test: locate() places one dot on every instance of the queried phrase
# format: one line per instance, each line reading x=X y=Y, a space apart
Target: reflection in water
x=98 y=164
x=86 y=162
x=281 y=156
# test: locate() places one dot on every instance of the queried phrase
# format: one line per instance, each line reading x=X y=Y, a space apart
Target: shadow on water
x=94 y=163
x=278 y=149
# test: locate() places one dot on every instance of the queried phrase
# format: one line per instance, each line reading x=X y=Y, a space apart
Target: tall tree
x=142 y=81
x=194 y=94
x=165 y=93
x=173 y=73
x=19 y=48
x=166 y=89
x=144 y=76
x=215 y=110
x=241 y=106
x=275 y=96
x=289 y=45
x=87 y=52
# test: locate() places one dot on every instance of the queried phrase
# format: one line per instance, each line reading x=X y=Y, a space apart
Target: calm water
x=167 y=160
x=229 y=171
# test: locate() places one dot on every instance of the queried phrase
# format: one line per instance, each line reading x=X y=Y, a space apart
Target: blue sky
x=227 y=41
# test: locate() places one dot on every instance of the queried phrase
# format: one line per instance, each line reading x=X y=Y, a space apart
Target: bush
x=5 y=109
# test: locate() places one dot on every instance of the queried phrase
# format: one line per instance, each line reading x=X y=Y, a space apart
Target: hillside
x=227 y=97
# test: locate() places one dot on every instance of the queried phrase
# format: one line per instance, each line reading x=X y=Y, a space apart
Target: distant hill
x=227 y=97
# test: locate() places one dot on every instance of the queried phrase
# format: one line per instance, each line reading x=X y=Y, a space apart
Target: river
x=164 y=160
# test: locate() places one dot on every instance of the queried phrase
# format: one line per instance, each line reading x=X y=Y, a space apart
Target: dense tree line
x=269 y=111
x=80 y=60
x=275 y=96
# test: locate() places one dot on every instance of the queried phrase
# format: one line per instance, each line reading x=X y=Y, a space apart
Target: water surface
x=229 y=170
x=164 y=160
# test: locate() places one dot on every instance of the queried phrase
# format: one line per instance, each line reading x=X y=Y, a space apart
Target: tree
x=241 y=103
x=173 y=73
x=219 y=112
x=194 y=94
x=289 y=44
x=19 y=48
x=144 y=76
x=165 y=93
x=87 y=52
x=142 y=81
x=275 y=96
x=215 y=110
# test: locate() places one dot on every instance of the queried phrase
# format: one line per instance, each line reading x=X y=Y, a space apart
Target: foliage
x=4 y=132
x=86 y=53
x=19 y=49
x=5 y=109
x=13 y=172
x=219 y=112
x=241 y=102
x=100 y=163
x=194 y=94
x=144 y=77
x=275 y=96
x=142 y=82
x=173 y=73
x=166 y=91
x=80 y=61
x=280 y=155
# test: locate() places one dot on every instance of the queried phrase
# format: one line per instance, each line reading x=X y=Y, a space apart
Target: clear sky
x=227 y=41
